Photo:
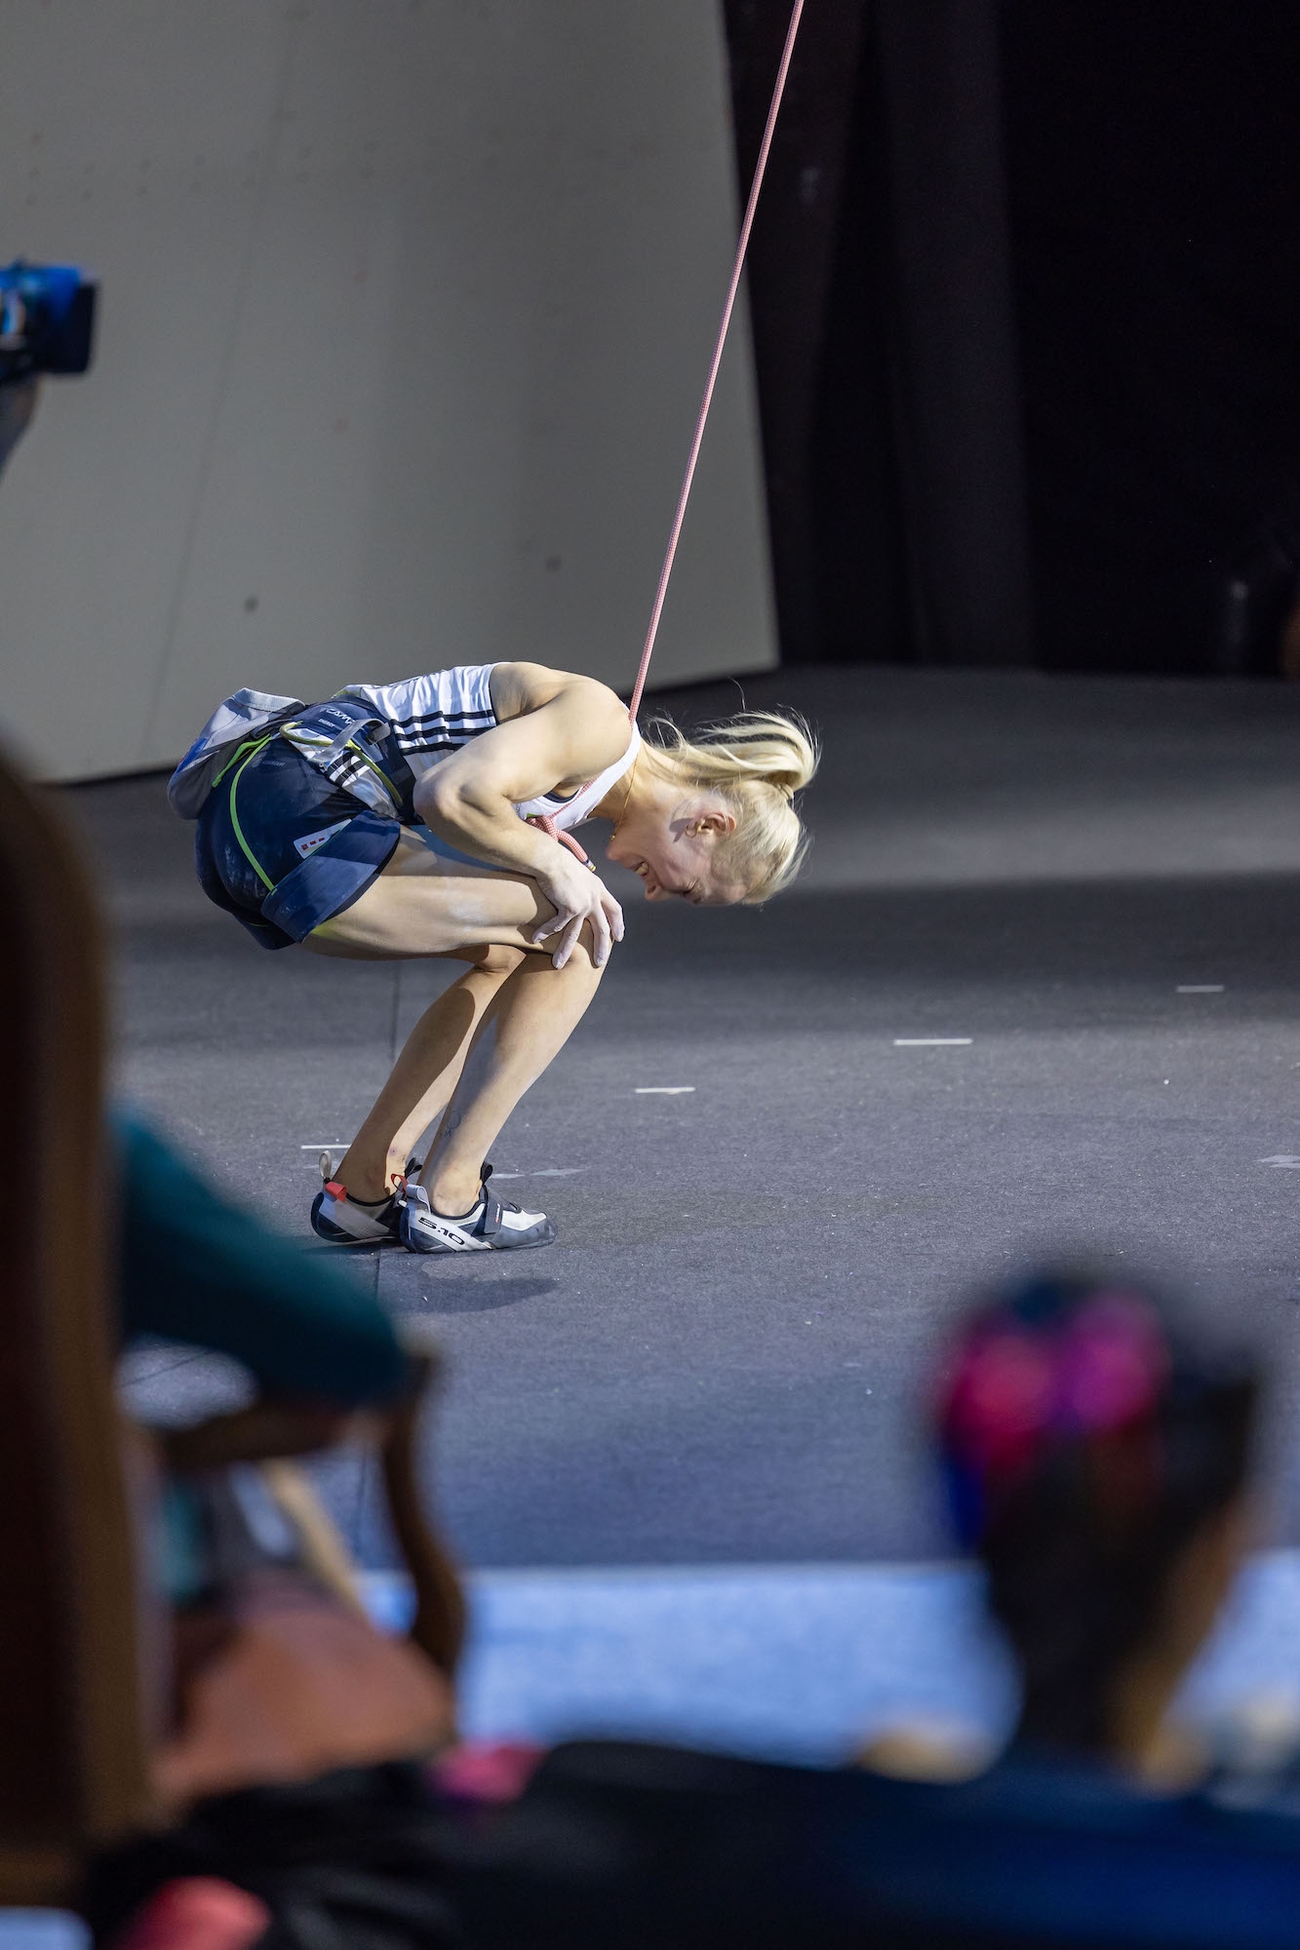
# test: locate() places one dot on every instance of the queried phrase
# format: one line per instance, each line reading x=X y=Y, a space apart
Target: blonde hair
x=757 y=762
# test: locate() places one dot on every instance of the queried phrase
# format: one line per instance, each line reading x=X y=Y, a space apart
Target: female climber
x=403 y=819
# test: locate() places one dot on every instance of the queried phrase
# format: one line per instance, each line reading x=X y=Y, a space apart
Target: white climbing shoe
x=494 y=1225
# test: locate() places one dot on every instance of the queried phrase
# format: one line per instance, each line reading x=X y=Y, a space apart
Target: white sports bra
x=568 y=813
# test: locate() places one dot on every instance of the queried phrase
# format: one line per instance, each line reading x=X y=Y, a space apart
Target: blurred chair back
x=72 y=1734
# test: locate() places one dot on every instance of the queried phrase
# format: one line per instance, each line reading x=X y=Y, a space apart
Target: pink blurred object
x=492 y=1773
x=1001 y=1399
x=1012 y=1388
x=196 y=1913
x=1114 y=1363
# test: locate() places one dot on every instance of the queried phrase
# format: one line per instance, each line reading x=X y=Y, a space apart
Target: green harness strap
x=250 y=745
x=247 y=752
x=252 y=751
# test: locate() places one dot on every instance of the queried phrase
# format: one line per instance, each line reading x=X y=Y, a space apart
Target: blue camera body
x=47 y=319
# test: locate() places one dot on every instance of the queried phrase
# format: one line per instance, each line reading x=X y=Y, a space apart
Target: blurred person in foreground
x=1096 y=1449
x=1095 y=1453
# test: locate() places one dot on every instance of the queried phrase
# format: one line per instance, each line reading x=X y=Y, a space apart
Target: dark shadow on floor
x=459 y=1296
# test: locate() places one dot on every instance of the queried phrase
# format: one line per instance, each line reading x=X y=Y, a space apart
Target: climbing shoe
x=494 y=1225
x=347 y=1221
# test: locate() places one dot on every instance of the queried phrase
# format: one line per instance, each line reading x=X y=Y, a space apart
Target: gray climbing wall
x=407 y=305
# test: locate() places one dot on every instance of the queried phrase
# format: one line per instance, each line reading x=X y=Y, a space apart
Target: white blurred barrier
x=804 y=1661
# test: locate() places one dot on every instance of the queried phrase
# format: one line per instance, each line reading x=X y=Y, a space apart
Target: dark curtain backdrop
x=1153 y=164
x=1026 y=301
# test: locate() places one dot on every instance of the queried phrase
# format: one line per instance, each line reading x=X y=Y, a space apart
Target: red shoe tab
x=336 y=1190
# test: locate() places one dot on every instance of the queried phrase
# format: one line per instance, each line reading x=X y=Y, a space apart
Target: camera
x=47 y=319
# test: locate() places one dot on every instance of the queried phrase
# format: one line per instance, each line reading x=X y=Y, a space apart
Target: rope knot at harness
x=547 y=824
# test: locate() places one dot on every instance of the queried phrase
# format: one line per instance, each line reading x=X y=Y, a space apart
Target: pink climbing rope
x=544 y=820
x=734 y=287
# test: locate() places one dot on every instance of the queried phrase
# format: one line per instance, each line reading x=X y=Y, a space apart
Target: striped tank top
x=421 y=720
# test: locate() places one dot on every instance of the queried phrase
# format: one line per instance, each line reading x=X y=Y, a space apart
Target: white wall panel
x=407 y=305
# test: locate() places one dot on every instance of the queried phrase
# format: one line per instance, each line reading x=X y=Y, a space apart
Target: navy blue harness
x=282 y=846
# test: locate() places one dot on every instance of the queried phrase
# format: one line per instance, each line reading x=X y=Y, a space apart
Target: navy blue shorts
x=282 y=849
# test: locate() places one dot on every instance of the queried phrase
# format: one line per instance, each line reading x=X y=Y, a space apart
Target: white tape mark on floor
x=339 y=1144
x=1199 y=988
x=663 y=1089
x=933 y=1042
x=547 y=1171
x=1282 y=1162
